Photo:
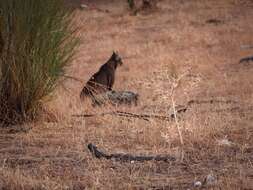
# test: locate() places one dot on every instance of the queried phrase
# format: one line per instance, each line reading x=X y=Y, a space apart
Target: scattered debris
x=128 y=157
x=197 y=184
x=84 y=6
x=214 y=21
x=210 y=180
x=225 y=142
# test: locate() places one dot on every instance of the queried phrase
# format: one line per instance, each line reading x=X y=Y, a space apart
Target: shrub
x=39 y=43
x=131 y=4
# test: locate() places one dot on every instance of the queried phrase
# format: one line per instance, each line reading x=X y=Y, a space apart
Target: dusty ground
x=195 y=45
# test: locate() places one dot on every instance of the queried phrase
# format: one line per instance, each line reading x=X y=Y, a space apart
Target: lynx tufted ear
x=116 y=57
x=115 y=53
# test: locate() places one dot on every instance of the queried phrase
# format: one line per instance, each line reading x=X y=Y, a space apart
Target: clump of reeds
x=39 y=42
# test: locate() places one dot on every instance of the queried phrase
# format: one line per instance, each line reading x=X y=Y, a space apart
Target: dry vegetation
x=174 y=42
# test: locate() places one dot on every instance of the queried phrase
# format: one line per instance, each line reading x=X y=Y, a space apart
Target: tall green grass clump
x=39 y=42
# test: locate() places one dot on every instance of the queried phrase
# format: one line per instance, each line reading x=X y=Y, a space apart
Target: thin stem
x=176 y=120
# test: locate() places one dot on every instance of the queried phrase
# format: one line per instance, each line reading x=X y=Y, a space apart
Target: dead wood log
x=128 y=157
x=246 y=59
x=214 y=21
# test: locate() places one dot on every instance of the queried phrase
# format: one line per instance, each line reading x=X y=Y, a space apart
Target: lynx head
x=116 y=58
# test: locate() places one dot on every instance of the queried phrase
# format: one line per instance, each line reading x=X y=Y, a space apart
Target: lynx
x=103 y=80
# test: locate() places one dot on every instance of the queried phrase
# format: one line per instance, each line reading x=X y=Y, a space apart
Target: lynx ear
x=115 y=52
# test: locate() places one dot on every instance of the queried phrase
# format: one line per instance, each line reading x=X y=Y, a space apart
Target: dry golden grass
x=173 y=42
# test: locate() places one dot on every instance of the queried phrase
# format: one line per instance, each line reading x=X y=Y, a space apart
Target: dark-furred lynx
x=102 y=80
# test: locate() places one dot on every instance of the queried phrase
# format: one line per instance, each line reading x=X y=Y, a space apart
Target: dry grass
x=157 y=47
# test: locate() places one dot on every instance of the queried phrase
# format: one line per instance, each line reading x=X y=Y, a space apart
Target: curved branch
x=128 y=157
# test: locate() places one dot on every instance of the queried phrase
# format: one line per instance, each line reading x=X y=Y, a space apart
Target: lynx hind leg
x=86 y=92
x=95 y=101
x=136 y=100
x=99 y=99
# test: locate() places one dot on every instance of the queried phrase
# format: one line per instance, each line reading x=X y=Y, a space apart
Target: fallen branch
x=214 y=21
x=115 y=113
x=169 y=117
x=246 y=59
x=212 y=101
x=127 y=157
x=162 y=117
x=134 y=115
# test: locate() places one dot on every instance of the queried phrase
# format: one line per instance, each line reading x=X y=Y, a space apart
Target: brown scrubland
x=181 y=52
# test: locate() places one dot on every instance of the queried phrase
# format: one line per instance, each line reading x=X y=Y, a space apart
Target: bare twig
x=176 y=120
x=72 y=78
x=175 y=84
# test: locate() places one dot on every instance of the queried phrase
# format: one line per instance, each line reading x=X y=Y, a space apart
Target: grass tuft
x=39 y=43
